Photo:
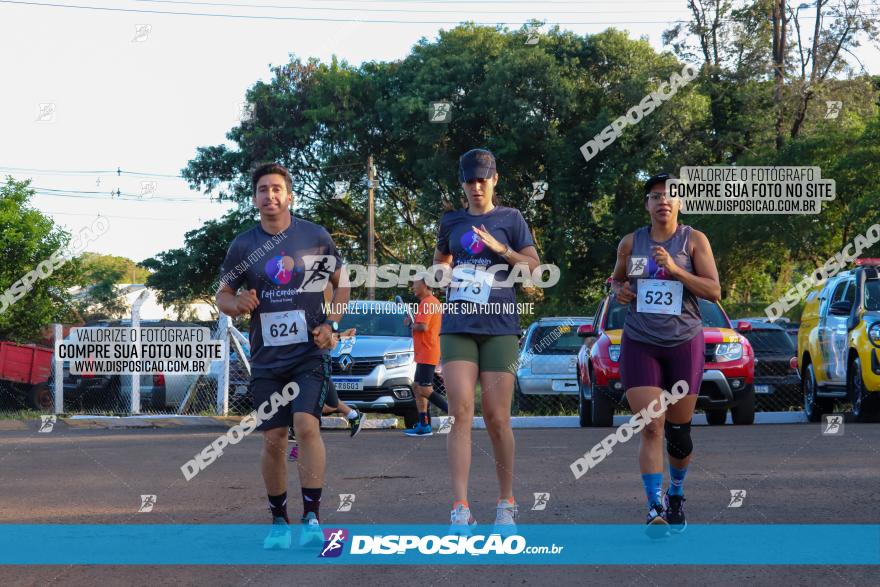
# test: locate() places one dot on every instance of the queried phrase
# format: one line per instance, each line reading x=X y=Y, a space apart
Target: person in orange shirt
x=426 y=343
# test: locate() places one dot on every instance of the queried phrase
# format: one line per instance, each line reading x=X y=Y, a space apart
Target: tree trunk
x=779 y=34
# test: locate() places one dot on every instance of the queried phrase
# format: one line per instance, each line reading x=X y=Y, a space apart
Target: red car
x=728 y=378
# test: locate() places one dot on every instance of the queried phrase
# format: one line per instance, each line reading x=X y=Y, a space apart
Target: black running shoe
x=355 y=424
x=657 y=526
x=675 y=512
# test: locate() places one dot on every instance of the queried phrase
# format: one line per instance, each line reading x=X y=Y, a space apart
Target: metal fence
x=224 y=389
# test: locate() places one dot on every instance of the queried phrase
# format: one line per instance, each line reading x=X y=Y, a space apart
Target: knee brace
x=678 y=440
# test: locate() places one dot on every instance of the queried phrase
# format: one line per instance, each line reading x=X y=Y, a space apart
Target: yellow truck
x=839 y=344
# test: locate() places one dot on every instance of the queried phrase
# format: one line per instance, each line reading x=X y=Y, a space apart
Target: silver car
x=374 y=370
x=547 y=363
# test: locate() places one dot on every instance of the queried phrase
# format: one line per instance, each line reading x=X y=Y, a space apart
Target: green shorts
x=499 y=353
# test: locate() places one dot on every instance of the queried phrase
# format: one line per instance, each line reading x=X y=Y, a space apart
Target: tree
x=533 y=106
x=27 y=238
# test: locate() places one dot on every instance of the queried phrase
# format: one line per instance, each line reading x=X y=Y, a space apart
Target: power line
x=327 y=19
x=165 y=219
x=493 y=9
x=119 y=171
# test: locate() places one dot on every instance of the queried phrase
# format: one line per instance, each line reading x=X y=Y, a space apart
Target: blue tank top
x=663 y=329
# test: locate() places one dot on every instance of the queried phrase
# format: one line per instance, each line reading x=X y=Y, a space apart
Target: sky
x=87 y=92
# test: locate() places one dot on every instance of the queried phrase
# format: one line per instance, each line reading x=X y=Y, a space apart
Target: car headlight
x=614 y=352
x=874 y=333
x=393 y=360
x=728 y=351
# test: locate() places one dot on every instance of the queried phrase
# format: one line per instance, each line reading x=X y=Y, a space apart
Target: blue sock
x=653 y=487
x=676 y=480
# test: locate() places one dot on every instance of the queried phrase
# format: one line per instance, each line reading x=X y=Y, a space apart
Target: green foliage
x=534 y=106
x=27 y=238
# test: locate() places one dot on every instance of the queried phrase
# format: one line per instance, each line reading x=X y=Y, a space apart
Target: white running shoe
x=505 y=518
x=461 y=521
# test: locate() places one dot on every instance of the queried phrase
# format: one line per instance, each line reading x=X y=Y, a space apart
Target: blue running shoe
x=279 y=536
x=419 y=430
x=311 y=533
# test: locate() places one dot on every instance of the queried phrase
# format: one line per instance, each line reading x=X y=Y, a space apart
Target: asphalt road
x=791 y=473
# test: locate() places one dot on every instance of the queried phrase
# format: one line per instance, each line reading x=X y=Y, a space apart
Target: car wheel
x=863 y=406
x=716 y=417
x=410 y=418
x=814 y=407
x=585 y=414
x=602 y=407
x=744 y=411
x=40 y=398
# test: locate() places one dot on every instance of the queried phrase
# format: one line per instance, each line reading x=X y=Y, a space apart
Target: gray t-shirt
x=456 y=237
x=289 y=272
x=663 y=329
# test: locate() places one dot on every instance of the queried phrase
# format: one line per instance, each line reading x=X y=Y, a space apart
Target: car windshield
x=872 y=295
x=711 y=313
x=555 y=340
x=375 y=321
x=771 y=341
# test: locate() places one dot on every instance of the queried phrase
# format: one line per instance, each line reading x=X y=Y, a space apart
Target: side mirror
x=841 y=308
x=585 y=330
x=744 y=326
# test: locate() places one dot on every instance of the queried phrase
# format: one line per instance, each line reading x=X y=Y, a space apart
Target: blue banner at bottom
x=214 y=544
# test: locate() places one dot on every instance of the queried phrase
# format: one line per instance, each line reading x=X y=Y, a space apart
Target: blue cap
x=476 y=164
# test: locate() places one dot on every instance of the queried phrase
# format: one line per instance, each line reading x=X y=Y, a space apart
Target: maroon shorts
x=650 y=365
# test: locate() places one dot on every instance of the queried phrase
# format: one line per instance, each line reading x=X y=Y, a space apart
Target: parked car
x=24 y=370
x=547 y=365
x=728 y=376
x=159 y=392
x=777 y=381
x=374 y=370
x=839 y=344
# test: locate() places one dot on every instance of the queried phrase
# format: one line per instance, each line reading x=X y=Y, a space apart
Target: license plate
x=763 y=389
x=564 y=386
x=348 y=384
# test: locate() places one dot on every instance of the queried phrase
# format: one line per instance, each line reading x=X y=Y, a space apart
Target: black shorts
x=424 y=374
x=312 y=375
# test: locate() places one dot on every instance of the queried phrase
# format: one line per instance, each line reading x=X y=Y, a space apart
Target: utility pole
x=371 y=236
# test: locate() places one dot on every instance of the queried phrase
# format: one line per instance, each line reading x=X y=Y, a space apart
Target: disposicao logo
x=334 y=542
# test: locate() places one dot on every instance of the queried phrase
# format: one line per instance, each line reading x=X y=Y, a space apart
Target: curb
x=340 y=423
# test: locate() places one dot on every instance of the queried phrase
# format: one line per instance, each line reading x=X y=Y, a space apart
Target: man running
x=290 y=335
x=426 y=343
x=661 y=271
x=476 y=340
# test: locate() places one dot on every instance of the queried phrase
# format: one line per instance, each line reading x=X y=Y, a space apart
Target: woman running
x=661 y=271
x=477 y=341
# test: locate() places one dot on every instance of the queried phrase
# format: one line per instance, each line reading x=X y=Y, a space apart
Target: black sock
x=311 y=501
x=423 y=418
x=278 y=506
x=437 y=399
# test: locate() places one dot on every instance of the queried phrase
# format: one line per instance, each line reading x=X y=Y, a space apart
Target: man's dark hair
x=268 y=169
